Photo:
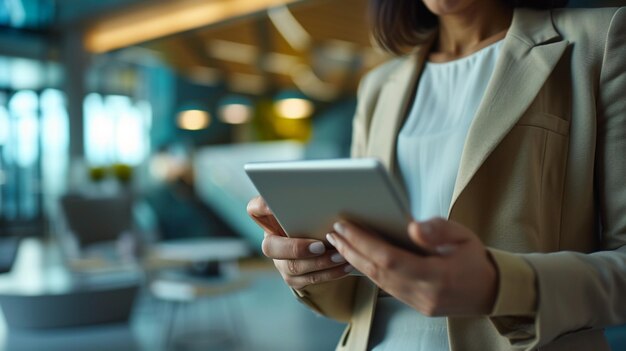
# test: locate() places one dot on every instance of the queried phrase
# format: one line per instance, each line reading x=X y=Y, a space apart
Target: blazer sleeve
x=577 y=291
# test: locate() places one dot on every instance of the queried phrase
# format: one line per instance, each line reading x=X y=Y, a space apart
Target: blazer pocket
x=545 y=121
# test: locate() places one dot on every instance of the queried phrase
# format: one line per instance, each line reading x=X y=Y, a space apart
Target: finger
x=257 y=207
x=366 y=265
x=304 y=266
x=259 y=211
x=284 y=248
x=416 y=234
x=375 y=254
x=270 y=225
x=302 y=281
x=438 y=235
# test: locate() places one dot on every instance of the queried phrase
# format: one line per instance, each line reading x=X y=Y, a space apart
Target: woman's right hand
x=301 y=262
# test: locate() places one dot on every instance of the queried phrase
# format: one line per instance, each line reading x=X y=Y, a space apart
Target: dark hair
x=400 y=24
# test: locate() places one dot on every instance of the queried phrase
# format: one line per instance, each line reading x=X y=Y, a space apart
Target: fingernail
x=339 y=228
x=445 y=249
x=331 y=239
x=317 y=248
x=348 y=269
x=337 y=258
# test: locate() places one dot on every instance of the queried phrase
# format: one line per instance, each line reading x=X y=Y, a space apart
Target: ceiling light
x=193 y=120
x=293 y=105
x=235 y=109
x=235 y=114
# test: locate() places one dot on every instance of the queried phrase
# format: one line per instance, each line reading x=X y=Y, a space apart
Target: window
x=116 y=130
x=34 y=141
x=20 y=153
x=54 y=146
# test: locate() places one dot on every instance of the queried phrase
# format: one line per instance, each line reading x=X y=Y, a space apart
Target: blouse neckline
x=481 y=52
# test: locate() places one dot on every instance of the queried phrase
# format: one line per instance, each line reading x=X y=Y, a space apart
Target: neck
x=464 y=30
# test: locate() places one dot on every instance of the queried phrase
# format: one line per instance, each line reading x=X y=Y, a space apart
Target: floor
x=265 y=316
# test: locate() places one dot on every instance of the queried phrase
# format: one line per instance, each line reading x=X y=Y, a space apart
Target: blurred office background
x=124 y=126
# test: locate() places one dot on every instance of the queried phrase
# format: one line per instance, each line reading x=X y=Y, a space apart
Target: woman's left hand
x=457 y=279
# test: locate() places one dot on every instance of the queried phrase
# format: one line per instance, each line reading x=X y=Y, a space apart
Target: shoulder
x=372 y=82
x=587 y=23
x=586 y=15
x=371 y=86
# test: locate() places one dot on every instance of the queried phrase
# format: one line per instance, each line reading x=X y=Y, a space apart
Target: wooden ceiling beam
x=161 y=19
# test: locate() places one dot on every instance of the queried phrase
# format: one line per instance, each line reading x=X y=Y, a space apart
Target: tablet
x=308 y=197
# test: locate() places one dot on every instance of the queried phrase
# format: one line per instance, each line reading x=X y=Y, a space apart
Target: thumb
x=438 y=236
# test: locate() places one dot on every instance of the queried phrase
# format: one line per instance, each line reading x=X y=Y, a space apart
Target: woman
x=510 y=123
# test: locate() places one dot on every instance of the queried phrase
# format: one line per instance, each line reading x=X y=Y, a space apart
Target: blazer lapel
x=392 y=107
x=531 y=50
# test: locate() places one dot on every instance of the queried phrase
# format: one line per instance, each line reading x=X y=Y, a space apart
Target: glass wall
x=116 y=130
x=35 y=135
x=33 y=151
x=20 y=189
x=33 y=139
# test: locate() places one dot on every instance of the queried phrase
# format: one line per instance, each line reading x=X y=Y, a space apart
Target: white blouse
x=429 y=151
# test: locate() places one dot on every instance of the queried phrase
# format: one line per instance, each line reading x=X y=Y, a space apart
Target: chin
x=447 y=7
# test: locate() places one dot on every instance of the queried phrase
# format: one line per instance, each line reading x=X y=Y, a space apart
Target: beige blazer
x=542 y=181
